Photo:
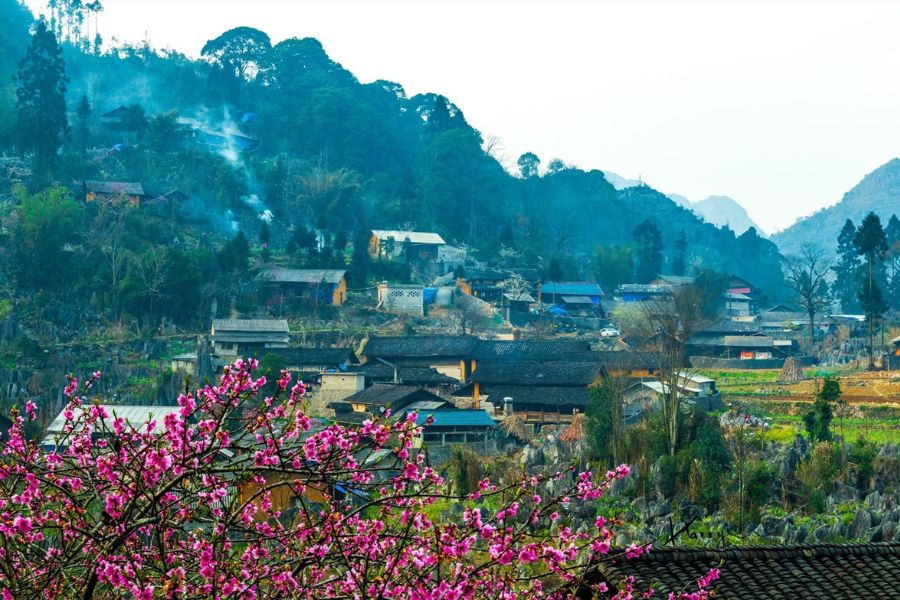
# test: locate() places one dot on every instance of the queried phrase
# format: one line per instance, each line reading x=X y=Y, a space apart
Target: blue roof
x=570 y=288
x=456 y=418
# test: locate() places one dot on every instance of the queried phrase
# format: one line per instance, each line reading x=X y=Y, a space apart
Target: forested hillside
x=878 y=192
x=330 y=157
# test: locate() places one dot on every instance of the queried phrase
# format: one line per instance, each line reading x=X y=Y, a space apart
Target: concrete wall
x=402 y=299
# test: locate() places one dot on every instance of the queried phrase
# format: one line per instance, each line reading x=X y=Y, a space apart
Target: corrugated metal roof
x=415 y=237
x=572 y=288
x=576 y=300
x=134 y=415
x=457 y=418
x=302 y=275
x=261 y=325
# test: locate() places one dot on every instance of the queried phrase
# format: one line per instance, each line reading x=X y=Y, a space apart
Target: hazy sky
x=783 y=106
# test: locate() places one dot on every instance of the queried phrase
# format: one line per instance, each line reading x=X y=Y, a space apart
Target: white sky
x=782 y=106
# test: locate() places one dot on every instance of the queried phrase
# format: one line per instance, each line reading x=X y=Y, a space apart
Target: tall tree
x=649 y=247
x=871 y=243
x=846 y=269
x=892 y=262
x=41 y=100
x=613 y=266
x=674 y=321
x=83 y=112
x=807 y=275
x=244 y=53
x=529 y=165
x=679 y=261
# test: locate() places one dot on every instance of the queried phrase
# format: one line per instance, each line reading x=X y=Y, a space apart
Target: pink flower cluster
x=242 y=496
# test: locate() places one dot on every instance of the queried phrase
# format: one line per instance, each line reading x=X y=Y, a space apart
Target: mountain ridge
x=878 y=191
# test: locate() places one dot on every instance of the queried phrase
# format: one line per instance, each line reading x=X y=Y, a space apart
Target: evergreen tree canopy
x=41 y=100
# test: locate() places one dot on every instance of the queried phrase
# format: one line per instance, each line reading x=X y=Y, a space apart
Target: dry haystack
x=514 y=426
x=791 y=372
x=576 y=431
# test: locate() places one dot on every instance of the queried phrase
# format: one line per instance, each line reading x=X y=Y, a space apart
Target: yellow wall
x=374 y=246
x=339 y=297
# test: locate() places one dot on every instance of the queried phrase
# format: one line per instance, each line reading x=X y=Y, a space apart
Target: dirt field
x=871 y=412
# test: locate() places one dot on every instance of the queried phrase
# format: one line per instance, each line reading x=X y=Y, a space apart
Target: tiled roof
x=410 y=375
x=302 y=275
x=328 y=357
x=726 y=326
x=421 y=346
x=557 y=349
x=128 y=188
x=816 y=571
x=544 y=374
x=267 y=325
x=385 y=394
x=572 y=288
x=550 y=396
x=748 y=341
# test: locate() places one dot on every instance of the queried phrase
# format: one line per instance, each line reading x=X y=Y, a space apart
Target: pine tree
x=892 y=262
x=679 y=261
x=83 y=113
x=41 y=101
x=871 y=242
x=649 y=243
x=846 y=271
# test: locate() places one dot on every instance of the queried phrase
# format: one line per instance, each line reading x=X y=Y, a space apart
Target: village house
x=241 y=337
x=485 y=283
x=582 y=298
x=448 y=354
x=328 y=286
x=113 y=192
x=313 y=361
x=389 y=243
x=451 y=427
x=425 y=377
x=739 y=305
x=115 y=118
x=547 y=350
x=638 y=292
x=645 y=396
x=739 y=340
x=673 y=281
x=217 y=139
x=540 y=392
x=380 y=397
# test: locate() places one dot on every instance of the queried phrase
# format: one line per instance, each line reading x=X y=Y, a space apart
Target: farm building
x=322 y=285
x=234 y=337
x=113 y=192
x=389 y=243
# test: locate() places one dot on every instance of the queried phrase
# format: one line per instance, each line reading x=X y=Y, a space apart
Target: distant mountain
x=722 y=210
x=878 y=192
x=718 y=210
x=619 y=182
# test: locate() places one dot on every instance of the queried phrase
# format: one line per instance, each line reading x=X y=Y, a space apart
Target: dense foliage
x=240 y=496
x=355 y=155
